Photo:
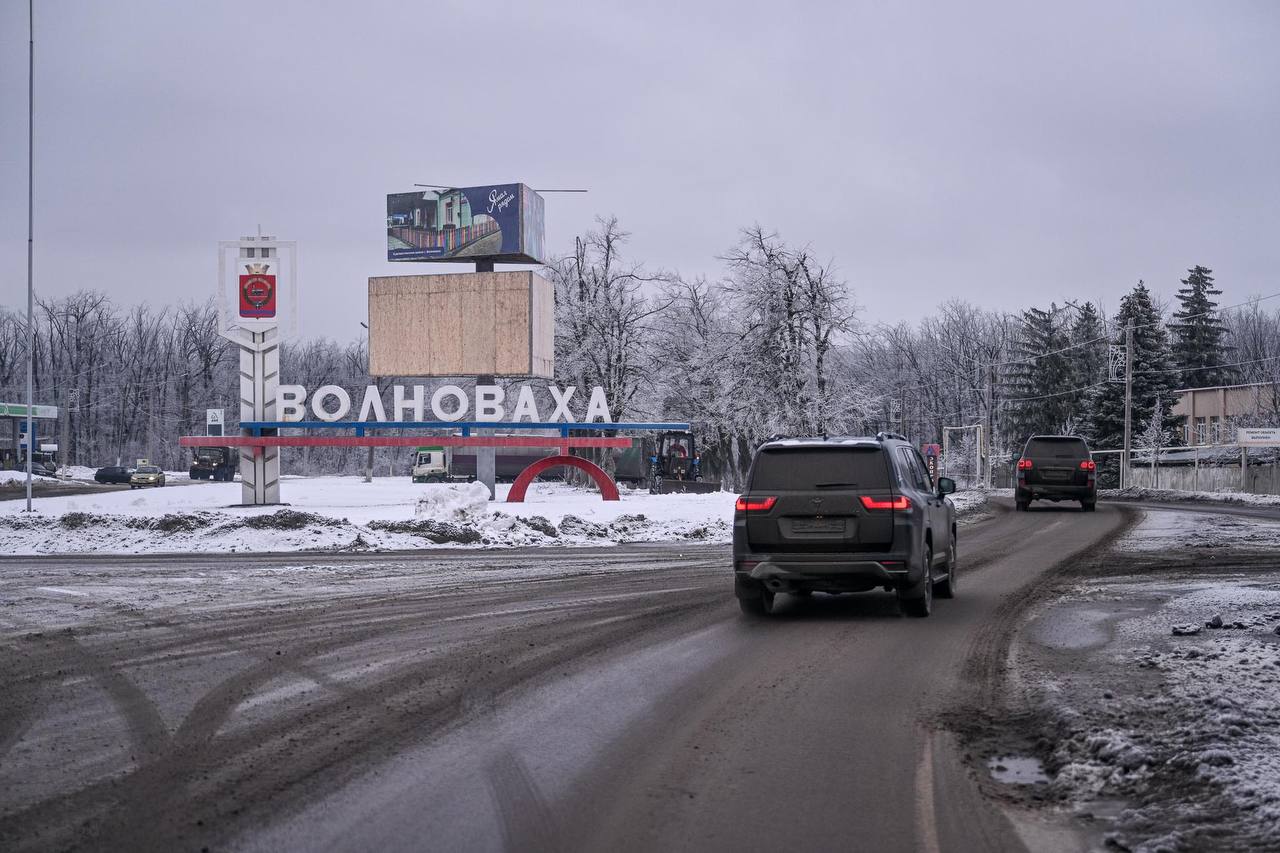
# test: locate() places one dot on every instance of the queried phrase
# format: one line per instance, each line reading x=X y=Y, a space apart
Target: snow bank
x=1166 y=531
x=456 y=501
x=13 y=478
x=1173 y=496
x=335 y=513
x=345 y=513
x=1186 y=729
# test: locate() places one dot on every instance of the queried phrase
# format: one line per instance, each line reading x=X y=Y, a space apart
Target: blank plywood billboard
x=462 y=324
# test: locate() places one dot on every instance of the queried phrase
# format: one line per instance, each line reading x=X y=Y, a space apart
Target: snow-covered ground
x=13 y=478
x=337 y=513
x=1164 y=531
x=1171 y=738
x=1174 y=496
x=345 y=513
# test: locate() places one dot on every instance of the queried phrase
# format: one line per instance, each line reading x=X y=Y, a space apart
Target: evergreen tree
x=1088 y=363
x=1038 y=381
x=1198 y=333
x=1154 y=376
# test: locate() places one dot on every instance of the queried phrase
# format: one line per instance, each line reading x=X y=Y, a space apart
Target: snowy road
x=535 y=699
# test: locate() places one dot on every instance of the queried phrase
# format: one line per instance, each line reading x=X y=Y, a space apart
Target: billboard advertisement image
x=499 y=222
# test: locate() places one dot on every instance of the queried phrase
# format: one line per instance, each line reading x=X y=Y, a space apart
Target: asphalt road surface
x=52 y=489
x=551 y=699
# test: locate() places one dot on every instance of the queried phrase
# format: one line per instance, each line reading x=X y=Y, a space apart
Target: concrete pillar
x=259 y=380
x=486 y=461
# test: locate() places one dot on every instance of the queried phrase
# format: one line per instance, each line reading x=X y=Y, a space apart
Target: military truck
x=214 y=463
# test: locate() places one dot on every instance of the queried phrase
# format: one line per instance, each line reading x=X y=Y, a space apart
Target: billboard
x=500 y=222
x=462 y=324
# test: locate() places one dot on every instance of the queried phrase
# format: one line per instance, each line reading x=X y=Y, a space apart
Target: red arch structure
x=608 y=488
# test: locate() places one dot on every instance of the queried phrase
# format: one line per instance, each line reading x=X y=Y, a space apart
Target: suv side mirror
x=946 y=485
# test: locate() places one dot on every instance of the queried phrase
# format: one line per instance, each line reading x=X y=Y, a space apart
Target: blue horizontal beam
x=361 y=427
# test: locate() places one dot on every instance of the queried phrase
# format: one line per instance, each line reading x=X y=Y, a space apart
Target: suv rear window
x=783 y=469
x=1057 y=448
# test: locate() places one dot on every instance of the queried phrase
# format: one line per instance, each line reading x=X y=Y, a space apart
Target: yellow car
x=147 y=475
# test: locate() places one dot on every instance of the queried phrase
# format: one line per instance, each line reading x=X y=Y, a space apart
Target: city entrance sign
x=488 y=403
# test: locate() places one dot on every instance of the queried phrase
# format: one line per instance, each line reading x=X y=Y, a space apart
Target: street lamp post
x=31 y=300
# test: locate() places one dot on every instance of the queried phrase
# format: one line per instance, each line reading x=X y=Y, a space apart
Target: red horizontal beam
x=399 y=441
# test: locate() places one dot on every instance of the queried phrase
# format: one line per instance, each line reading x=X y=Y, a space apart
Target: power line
x=1207 y=367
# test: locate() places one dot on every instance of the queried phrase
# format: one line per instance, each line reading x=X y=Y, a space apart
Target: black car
x=113 y=474
x=1056 y=468
x=843 y=515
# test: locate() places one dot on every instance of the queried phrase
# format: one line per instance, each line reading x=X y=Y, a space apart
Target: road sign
x=931 y=453
x=213 y=422
x=1258 y=436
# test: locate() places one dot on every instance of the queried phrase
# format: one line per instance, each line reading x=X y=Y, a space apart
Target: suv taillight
x=746 y=504
x=1024 y=464
x=900 y=502
x=1088 y=465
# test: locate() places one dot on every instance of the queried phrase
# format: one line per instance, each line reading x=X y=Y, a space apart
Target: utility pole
x=31 y=183
x=989 y=434
x=71 y=400
x=1128 y=405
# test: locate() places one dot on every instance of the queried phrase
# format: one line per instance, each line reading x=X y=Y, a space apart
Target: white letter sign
x=372 y=405
x=489 y=403
x=526 y=407
x=291 y=402
x=338 y=393
x=414 y=405
x=562 y=402
x=437 y=410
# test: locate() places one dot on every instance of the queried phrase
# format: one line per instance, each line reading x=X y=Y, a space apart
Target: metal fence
x=1204 y=468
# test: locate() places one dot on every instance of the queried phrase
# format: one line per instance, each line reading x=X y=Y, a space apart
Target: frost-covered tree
x=1154 y=376
x=1199 y=333
x=1041 y=379
x=606 y=327
x=793 y=311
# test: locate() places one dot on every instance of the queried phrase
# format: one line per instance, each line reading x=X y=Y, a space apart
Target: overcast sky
x=1002 y=153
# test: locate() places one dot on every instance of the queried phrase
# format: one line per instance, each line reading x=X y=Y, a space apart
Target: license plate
x=1057 y=475
x=817 y=525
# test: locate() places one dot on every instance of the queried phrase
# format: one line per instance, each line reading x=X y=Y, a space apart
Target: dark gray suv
x=1056 y=468
x=843 y=515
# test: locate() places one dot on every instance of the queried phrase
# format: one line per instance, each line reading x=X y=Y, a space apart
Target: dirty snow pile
x=1174 y=496
x=1160 y=689
x=13 y=479
x=1164 y=531
x=973 y=505
x=1189 y=730
x=347 y=514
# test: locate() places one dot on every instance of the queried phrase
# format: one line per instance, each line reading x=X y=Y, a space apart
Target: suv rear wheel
x=947 y=588
x=918 y=601
x=753 y=598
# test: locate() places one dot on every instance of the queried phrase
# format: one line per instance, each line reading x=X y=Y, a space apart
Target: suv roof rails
x=881 y=436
